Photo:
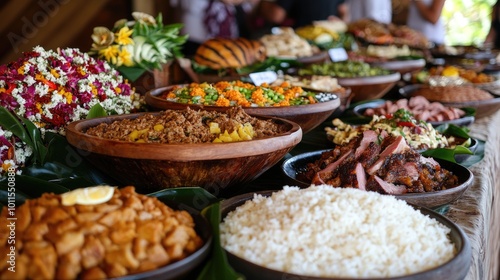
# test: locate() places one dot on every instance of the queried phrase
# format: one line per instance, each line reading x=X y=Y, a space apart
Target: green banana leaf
x=217 y=266
x=39 y=148
x=19 y=197
x=12 y=123
x=454 y=130
x=131 y=73
x=96 y=111
x=32 y=187
x=194 y=197
x=447 y=154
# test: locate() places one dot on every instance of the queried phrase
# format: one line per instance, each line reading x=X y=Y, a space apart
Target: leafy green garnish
x=217 y=266
x=194 y=197
x=446 y=153
x=12 y=123
x=454 y=130
x=96 y=112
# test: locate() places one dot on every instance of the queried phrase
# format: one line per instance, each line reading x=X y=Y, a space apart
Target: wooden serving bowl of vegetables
x=366 y=82
x=306 y=108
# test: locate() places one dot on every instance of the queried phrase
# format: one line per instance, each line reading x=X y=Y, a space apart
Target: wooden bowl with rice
x=169 y=149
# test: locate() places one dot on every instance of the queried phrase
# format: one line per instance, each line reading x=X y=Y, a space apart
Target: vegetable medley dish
x=238 y=93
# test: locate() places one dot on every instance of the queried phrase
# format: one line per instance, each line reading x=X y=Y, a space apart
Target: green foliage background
x=467 y=21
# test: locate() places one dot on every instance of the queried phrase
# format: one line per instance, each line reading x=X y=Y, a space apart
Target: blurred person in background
x=425 y=16
x=378 y=10
x=493 y=38
x=206 y=19
x=298 y=13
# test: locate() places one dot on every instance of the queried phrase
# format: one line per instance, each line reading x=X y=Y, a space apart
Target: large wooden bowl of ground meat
x=179 y=148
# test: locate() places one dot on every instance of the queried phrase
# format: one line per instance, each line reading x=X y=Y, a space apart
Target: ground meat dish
x=128 y=234
x=188 y=126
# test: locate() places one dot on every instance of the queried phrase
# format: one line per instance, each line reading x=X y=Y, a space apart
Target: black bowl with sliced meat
x=383 y=164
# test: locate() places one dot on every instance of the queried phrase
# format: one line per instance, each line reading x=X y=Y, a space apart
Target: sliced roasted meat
x=397 y=169
x=318 y=177
x=378 y=184
x=398 y=146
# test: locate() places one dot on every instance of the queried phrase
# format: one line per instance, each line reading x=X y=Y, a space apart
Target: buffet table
x=477 y=212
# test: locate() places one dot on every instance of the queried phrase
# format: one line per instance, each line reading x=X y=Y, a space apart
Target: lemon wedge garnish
x=450 y=71
x=88 y=196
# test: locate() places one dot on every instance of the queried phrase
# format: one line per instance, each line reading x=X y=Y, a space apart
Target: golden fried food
x=130 y=233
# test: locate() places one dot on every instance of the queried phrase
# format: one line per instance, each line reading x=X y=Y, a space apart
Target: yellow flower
x=39 y=107
x=110 y=53
x=123 y=36
x=125 y=58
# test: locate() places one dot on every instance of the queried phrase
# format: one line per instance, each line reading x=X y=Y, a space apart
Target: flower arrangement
x=140 y=45
x=13 y=152
x=53 y=88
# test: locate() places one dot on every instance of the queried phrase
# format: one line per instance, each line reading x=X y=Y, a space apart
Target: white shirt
x=434 y=32
x=378 y=10
x=193 y=12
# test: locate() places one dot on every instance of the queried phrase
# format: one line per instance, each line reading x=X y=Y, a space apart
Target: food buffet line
x=341 y=137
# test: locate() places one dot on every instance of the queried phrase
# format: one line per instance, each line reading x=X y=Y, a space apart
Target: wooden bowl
x=306 y=116
x=294 y=165
x=402 y=66
x=483 y=108
x=368 y=88
x=153 y=166
x=456 y=268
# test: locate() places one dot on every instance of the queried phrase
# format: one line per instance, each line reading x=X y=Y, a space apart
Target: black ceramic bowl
x=456 y=268
x=296 y=164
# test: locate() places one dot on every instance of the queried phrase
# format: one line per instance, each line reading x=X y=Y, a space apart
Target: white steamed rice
x=335 y=232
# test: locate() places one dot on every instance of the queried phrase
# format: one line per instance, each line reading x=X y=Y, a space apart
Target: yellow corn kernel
x=217 y=140
x=158 y=127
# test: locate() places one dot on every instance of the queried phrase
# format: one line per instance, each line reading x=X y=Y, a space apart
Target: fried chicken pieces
x=130 y=233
